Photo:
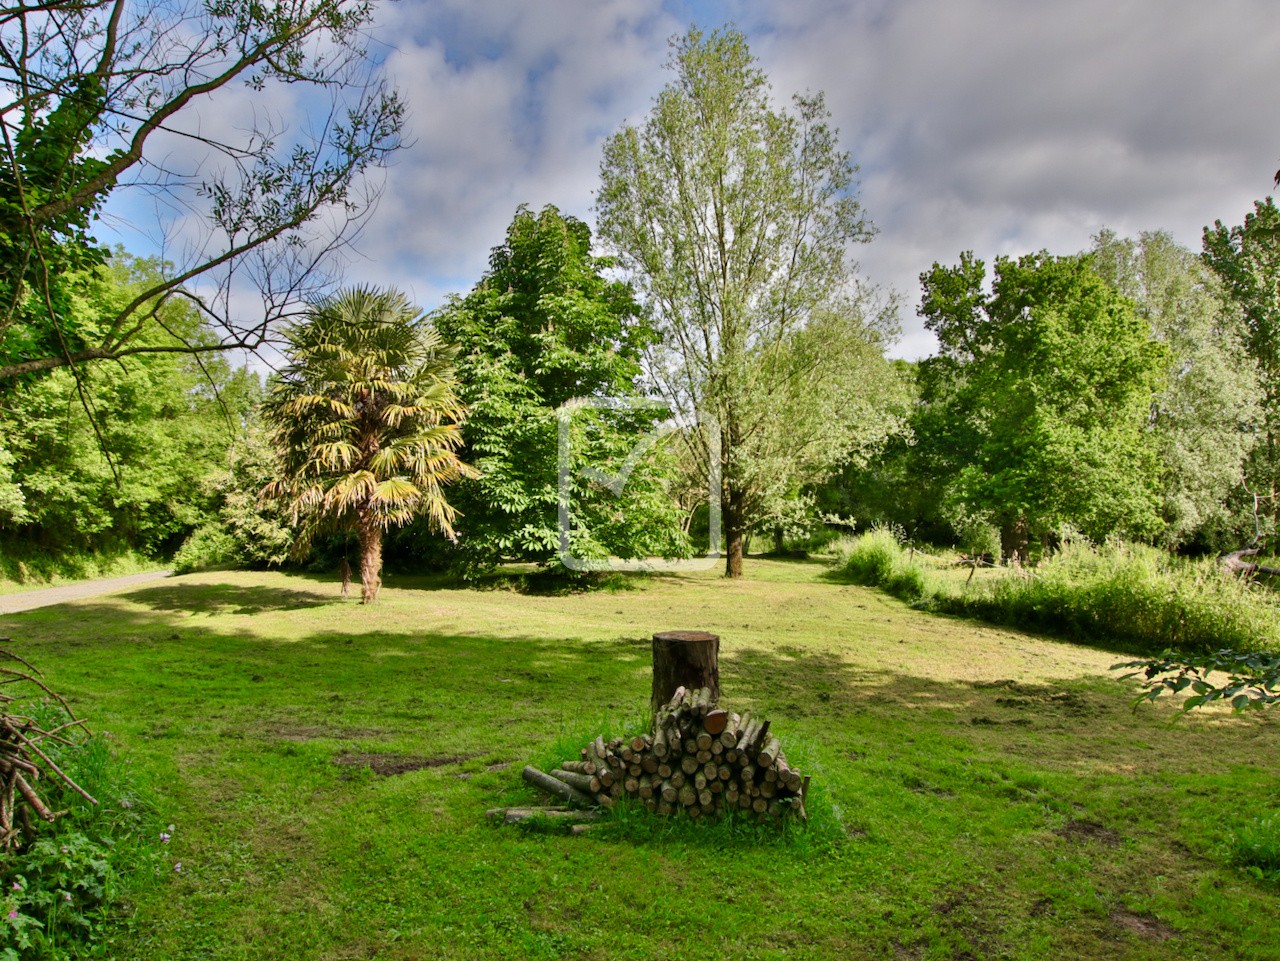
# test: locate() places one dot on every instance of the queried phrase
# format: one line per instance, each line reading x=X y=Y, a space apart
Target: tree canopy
x=542 y=328
x=1204 y=416
x=101 y=100
x=735 y=219
x=1039 y=400
x=113 y=460
x=1246 y=258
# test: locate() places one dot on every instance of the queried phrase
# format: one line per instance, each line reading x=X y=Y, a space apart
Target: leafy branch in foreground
x=23 y=760
x=1253 y=678
x=100 y=102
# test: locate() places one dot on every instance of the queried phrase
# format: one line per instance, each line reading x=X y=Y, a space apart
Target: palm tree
x=366 y=419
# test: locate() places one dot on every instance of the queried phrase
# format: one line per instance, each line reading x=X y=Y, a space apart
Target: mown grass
x=982 y=793
x=1132 y=595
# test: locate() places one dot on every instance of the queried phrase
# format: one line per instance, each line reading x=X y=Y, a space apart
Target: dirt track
x=29 y=600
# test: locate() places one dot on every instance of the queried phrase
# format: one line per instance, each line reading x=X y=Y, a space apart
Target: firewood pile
x=698 y=760
x=23 y=758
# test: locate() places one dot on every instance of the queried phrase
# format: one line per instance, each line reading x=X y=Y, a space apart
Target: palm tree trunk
x=370 y=534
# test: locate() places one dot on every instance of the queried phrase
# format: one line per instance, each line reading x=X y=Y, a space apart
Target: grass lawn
x=980 y=793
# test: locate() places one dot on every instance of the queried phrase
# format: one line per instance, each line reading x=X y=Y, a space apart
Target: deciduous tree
x=544 y=327
x=113 y=460
x=1048 y=385
x=107 y=99
x=1205 y=415
x=1247 y=260
x=735 y=218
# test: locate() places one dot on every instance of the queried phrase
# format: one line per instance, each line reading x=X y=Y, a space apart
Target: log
x=769 y=753
x=688 y=659
x=715 y=722
x=555 y=786
x=660 y=739
x=1235 y=562
x=748 y=735
x=586 y=783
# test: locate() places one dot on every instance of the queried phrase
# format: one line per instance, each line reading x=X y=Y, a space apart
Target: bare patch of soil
x=1143 y=925
x=1088 y=831
x=390 y=765
x=302 y=733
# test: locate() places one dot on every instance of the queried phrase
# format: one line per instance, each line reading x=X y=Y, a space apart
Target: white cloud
x=1001 y=126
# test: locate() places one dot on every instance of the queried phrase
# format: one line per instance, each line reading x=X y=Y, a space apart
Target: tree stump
x=689 y=659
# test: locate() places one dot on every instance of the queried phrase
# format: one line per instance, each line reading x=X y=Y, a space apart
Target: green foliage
x=1253 y=678
x=1255 y=847
x=365 y=419
x=1036 y=408
x=1246 y=259
x=761 y=324
x=111 y=458
x=244 y=530
x=1205 y=415
x=210 y=545
x=1138 y=595
x=545 y=327
x=877 y=559
x=62 y=895
x=1117 y=593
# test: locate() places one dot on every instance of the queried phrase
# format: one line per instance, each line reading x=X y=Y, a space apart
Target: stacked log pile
x=23 y=760
x=698 y=760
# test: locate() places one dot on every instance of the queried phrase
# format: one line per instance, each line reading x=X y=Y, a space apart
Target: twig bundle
x=23 y=759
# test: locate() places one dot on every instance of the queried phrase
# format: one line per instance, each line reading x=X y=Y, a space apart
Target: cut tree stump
x=688 y=659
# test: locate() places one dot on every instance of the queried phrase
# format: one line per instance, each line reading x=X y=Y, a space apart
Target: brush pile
x=698 y=760
x=24 y=760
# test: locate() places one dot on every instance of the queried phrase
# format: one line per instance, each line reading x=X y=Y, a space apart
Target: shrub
x=878 y=560
x=208 y=546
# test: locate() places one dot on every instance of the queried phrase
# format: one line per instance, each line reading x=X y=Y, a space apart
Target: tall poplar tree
x=1247 y=260
x=735 y=218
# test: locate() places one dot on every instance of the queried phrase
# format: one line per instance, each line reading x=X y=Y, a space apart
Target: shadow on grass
x=226 y=599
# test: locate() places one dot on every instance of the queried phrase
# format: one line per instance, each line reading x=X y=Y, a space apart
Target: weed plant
x=1256 y=848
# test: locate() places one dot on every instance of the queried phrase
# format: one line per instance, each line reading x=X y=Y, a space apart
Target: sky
x=997 y=126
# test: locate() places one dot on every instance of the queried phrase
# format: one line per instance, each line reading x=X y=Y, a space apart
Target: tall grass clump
x=1144 y=598
x=1132 y=593
x=877 y=559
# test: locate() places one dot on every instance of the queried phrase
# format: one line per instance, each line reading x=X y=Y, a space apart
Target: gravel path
x=28 y=600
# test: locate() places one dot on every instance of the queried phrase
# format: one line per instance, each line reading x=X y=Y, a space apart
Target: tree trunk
x=779 y=541
x=370 y=534
x=688 y=659
x=1013 y=541
x=734 y=534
